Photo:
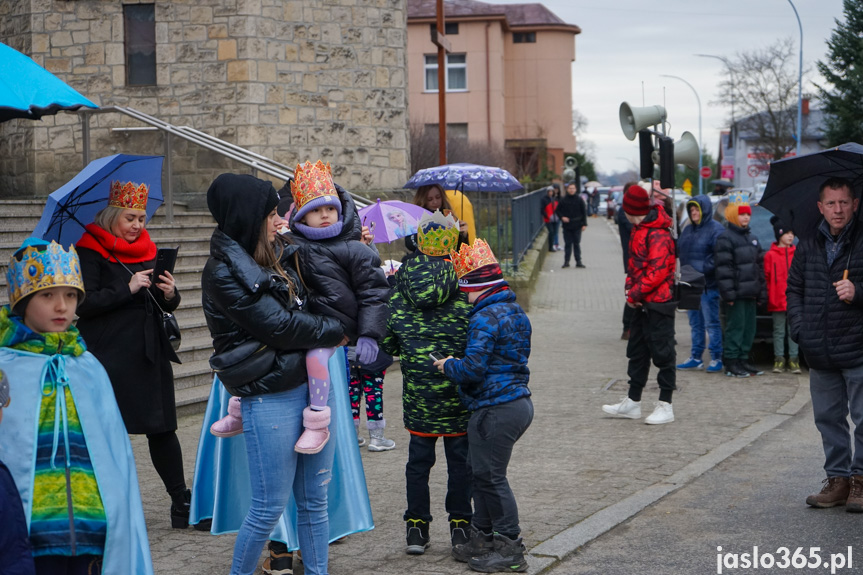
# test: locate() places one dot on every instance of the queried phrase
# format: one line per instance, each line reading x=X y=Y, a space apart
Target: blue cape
x=221 y=490
x=127 y=549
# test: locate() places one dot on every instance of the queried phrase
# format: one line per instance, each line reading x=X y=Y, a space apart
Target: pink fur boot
x=316 y=434
x=231 y=424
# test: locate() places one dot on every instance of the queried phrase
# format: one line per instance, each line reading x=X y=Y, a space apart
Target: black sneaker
x=750 y=368
x=580 y=265
x=417 y=536
x=478 y=544
x=733 y=369
x=280 y=561
x=565 y=266
x=507 y=555
x=459 y=531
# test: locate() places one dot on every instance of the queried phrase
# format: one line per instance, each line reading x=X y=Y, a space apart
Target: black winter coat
x=244 y=301
x=344 y=277
x=124 y=332
x=829 y=331
x=739 y=265
x=572 y=207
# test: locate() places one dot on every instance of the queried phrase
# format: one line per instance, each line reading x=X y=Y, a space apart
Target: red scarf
x=113 y=248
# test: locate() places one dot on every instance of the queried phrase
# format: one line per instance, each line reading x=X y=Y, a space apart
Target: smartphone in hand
x=166 y=258
x=437 y=356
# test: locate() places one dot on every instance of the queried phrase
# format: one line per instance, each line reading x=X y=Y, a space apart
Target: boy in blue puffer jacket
x=695 y=247
x=493 y=382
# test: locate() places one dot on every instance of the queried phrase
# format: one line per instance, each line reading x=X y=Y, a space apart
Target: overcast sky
x=625 y=43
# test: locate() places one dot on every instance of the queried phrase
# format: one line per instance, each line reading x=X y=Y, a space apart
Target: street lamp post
x=700 y=155
x=799 y=83
x=725 y=61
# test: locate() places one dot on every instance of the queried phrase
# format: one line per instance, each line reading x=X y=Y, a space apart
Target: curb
x=552 y=551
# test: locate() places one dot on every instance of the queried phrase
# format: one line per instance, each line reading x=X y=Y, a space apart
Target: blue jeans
x=552 y=228
x=835 y=392
x=492 y=433
x=272 y=423
x=706 y=319
x=780 y=328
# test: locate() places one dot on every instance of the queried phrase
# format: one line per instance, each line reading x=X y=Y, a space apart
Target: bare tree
x=424 y=150
x=762 y=88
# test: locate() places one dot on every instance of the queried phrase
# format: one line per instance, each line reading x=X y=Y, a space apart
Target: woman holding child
x=254 y=297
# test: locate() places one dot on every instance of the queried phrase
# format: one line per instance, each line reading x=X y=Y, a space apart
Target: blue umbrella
x=76 y=203
x=27 y=90
x=467 y=178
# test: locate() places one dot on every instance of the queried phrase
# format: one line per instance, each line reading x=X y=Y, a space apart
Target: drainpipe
x=487 y=87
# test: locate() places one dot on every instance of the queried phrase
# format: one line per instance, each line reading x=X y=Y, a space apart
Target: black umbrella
x=793 y=184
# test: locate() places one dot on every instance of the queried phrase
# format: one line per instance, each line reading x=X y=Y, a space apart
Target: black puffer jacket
x=246 y=302
x=829 y=331
x=739 y=265
x=345 y=277
x=572 y=206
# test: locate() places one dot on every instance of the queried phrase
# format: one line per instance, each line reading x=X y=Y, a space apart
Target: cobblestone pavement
x=572 y=463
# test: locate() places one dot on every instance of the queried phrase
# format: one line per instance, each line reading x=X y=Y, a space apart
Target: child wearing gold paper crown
x=65 y=442
x=346 y=283
x=493 y=381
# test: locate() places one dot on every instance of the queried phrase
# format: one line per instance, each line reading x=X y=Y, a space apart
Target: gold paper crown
x=442 y=234
x=738 y=198
x=470 y=258
x=42 y=266
x=128 y=195
x=312 y=181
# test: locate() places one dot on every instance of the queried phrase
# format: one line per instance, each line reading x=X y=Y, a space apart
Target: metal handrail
x=221 y=147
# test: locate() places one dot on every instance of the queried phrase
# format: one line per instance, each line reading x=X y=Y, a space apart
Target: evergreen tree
x=844 y=71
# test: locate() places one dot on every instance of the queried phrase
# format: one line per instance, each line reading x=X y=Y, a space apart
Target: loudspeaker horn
x=686 y=151
x=634 y=119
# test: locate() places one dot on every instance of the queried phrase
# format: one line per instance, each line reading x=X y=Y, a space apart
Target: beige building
x=287 y=79
x=509 y=77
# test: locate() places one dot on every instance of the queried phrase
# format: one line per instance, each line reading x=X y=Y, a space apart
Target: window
x=524 y=37
x=456 y=73
x=453 y=131
x=449 y=28
x=139 y=26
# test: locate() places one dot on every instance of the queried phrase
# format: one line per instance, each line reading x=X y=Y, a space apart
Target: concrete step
x=192 y=400
x=195 y=349
x=192 y=373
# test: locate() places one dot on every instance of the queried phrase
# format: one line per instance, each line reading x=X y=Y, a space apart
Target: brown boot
x=834 y=492
x=854 y=504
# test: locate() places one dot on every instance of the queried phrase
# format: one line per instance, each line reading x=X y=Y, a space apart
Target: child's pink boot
x=231 y=424
x=316 y=434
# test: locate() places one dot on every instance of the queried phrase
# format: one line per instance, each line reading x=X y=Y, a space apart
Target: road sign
x=753 y=171
x=706 y=172
x=687 y=186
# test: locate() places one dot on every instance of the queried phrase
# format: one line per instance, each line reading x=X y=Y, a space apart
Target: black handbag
x=243 y=364
x=169 y=321
x=689 y=287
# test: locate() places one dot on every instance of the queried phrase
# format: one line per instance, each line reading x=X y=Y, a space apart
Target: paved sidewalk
x=576 y=472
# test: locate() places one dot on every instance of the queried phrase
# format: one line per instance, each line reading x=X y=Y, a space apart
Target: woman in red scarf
x=122 y=327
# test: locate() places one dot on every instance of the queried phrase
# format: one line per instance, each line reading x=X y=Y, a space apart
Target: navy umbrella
x=793 y=183
x=75 y=204
x=466 y=178
x=27 y=90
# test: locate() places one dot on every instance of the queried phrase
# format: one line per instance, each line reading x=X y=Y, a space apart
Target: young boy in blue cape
x=64 y=442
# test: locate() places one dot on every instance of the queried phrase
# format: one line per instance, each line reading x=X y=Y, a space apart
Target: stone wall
x=288 y=79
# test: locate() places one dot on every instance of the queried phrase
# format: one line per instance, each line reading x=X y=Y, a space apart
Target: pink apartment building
x=509 y=77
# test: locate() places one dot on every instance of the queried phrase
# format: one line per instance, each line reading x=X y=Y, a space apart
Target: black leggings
x=167 y=458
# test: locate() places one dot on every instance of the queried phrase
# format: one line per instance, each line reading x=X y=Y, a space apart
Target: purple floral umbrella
x=391 y=219
x=466 y=178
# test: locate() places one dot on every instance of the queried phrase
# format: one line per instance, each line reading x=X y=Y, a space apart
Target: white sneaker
x=662 y=414
x=626 y=408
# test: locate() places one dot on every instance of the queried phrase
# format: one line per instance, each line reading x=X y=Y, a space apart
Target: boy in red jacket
x=777 y=262
x=649 y=291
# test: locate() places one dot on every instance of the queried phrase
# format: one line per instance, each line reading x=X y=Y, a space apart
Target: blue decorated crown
x=738 y=198
x=39 y=265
